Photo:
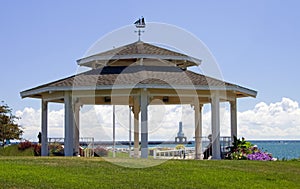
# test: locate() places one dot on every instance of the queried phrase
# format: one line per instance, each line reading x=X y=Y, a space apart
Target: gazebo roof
x=135 y=51
x=137 y=76
x=138 y=65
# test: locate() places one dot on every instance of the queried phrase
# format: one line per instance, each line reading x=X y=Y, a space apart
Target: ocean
x=287 y=149
x=280 y=149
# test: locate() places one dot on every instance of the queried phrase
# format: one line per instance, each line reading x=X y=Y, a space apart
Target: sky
x=255 y=44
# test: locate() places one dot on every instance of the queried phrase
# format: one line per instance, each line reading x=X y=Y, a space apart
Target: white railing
x=187 y=153
x=88 y=146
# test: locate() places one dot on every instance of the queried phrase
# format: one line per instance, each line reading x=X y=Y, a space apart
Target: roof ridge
x=115 y=51
x=139 y=50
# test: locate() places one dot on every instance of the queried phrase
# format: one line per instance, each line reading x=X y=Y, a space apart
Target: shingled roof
x=137 y=77
x=138 y=65
x=136 y=51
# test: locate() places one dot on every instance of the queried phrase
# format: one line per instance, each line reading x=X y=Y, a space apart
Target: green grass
x=61 y=172
x=14 y=151
x=118 y=154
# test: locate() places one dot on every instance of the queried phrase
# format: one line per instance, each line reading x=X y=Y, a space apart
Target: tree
x=9 y=129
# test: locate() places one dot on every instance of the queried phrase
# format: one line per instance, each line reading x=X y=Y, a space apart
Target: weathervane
x=140 y=24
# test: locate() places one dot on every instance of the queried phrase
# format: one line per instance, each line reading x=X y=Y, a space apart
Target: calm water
x=280 y=149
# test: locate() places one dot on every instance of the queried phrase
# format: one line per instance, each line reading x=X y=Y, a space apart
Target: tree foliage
x=9 y=129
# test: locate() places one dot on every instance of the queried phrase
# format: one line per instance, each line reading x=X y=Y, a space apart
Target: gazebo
x=138 y=75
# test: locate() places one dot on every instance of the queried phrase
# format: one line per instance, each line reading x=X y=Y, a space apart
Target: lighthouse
x=180 y=135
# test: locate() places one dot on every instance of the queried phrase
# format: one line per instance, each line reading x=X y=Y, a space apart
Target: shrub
x=37 y=149
x=56 y=149
x=24 y=145
x=243 y=150
x=179 y=147
x=239 y=149
x=260 y=156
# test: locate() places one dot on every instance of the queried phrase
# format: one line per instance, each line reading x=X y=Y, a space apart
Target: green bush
x=179 y=147
x=56 y=149
x=243 y=150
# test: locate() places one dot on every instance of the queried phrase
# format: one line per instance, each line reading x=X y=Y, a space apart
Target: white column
x=129 y=127
x=69 y=125
x=76 y=128
x=44 y=140
x=198 y=130
x=233 y=115
x=114 y=132
x=215 y=110
x=136 y=111
x=144 y=123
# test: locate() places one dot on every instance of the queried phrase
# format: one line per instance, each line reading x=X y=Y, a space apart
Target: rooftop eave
x=36 y=93
x=244 y=91
x=103 y=59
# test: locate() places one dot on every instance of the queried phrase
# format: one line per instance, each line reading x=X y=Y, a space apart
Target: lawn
x=61 y=172
x=14 y=151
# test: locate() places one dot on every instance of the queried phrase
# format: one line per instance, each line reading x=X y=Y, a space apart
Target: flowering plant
x=260 y=156
x=243 y=150
x=24 y=145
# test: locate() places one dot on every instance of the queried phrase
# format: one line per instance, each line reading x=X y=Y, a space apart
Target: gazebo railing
x=225 y=142
x=189 y=152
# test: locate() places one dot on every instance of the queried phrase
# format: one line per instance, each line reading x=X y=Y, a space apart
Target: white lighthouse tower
x=180 y=135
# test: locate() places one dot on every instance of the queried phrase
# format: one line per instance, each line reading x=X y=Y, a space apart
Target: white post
x=144 y=123
x=136 y=111
x=76 y=129
x=198 y=130
x=215 y=110
x=69 y=125
x=233 y=115
x=114 y=132
x=129 y=112
x=44 y=139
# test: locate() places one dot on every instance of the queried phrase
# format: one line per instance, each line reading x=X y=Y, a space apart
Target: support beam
x=114 y=131
x=76 y=129
x=144 y=123
x=233 y=122
x=215 y=110
x=136 y=111
x=69 y=125
x=44 y=149
x=129 y=127
x=198 y=130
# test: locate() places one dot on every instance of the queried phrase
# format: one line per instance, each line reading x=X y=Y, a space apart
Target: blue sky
x=256 y=43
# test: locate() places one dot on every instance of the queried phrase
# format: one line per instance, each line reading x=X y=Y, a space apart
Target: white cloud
x=31 y=123
x=280 y=120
